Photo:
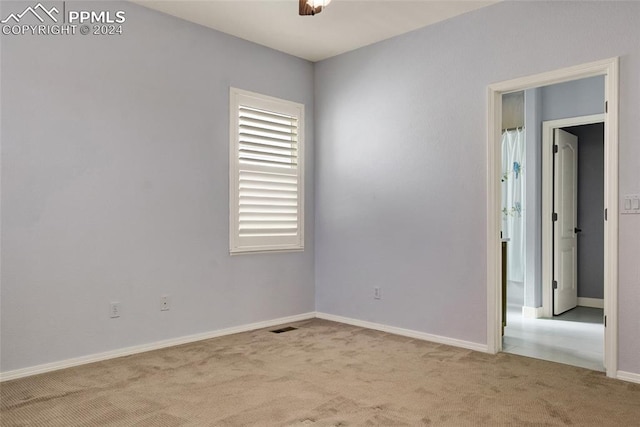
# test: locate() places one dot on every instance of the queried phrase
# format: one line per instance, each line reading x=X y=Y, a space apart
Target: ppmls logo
x=16 y=17
x=43 y=20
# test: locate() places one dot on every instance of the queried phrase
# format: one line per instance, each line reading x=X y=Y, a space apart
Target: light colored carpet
x=324 y=374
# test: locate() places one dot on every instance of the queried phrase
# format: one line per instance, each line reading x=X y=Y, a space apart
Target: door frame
x=609 y=69
x=548 y=128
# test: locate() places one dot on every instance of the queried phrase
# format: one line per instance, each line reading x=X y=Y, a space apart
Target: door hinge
x=606 y=106
x=555 y=284
x=554 y=217
x=555 y=148
x=605 y=214
x=605 y=321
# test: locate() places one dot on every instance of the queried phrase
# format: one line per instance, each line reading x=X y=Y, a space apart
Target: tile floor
x=574 y=338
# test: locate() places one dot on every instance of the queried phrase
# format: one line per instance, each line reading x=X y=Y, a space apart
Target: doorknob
x=577 y=230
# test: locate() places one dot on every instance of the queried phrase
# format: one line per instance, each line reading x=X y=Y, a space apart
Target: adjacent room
x=300 y=212
x=573 y=331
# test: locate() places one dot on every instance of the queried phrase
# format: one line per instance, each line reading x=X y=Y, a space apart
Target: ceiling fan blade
x=304 y=9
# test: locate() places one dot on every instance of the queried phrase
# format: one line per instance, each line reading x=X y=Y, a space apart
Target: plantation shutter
x=266 y=212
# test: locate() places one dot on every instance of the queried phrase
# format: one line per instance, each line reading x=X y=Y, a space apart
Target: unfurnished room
x=319 y=213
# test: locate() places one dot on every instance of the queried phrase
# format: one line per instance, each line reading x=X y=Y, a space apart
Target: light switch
x=631 y=204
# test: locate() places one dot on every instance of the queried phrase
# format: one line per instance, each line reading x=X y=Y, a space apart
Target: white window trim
x=256 y=100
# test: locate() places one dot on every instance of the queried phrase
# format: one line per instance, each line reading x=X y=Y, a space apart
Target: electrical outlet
x=377 y=293
x=114 y=310
x=164 y=303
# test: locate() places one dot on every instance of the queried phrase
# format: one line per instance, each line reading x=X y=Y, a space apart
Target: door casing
x=609 y=69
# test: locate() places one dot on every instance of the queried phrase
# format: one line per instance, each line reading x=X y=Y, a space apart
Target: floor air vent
x=287 y=329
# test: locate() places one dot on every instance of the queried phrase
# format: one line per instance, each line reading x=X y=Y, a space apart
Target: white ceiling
x=343 y=26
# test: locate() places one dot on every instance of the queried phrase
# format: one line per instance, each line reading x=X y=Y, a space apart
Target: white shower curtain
x=513 y=187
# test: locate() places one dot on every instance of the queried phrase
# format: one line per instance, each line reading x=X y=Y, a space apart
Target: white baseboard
x=628 y=376
x=76 y=361
x=68 y=363
x=405 y=332
x=591 y=302
x=531 y=312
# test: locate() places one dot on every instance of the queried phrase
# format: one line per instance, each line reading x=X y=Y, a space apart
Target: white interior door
x=565 y=198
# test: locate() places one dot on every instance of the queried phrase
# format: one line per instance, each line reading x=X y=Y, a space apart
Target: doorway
x=608 y=69
x=592 y=186
x=574 y=334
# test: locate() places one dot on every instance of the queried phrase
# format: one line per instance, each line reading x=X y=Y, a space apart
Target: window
x=266 y=185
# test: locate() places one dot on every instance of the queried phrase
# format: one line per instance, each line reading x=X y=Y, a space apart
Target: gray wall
x=533 y=199
x=573 y=99
x=401 y=161
x=590 y=209
x=115 y=188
